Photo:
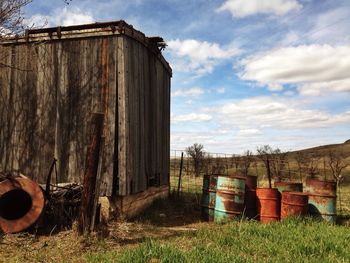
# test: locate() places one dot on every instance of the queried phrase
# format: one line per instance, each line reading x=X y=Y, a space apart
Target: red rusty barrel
x=208 y=197
x=289 y=186
x=268 y=204
x=294 y=204
x=250 y=196
x=322 y=199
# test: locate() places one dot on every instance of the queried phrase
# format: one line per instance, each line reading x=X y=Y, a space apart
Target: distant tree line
x=276 y=162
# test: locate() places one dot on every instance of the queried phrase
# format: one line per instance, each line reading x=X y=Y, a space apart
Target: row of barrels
x=226 y=197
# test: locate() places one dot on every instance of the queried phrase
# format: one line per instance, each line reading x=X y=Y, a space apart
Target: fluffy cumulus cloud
x=243 y=8
x=191 y=92
x=312 y=68
x=62 y=17
x=199 y=57
x=191 y=117
x=254 y=114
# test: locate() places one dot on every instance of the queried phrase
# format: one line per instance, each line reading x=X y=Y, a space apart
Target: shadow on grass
x=174 y=211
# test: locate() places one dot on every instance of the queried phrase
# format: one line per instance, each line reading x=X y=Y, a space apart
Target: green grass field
x=290 y=241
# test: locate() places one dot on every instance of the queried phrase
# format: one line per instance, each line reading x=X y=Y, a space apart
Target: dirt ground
x=163 y=220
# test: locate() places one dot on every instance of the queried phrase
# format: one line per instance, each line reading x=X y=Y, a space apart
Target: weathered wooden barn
x=53 y=79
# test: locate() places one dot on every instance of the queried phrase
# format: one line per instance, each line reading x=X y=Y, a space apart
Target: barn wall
x=48 y=92
x=147 y=85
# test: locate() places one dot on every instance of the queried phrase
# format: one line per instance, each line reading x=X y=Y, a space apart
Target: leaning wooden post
x=90 y=185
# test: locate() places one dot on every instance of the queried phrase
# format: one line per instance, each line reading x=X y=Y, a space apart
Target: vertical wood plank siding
x=48 y=91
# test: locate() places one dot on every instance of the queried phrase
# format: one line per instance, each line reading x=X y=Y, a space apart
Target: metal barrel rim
x=323 y=214
x=207 y=190
x=293 y=204
x=228 y=212
x=230 y=193
x=321 y=195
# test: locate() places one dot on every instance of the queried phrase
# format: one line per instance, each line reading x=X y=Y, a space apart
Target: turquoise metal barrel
x=322 y=199
x=208 y=197
x=229 y=201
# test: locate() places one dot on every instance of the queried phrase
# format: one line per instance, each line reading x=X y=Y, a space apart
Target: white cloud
x=248 y=132
x=248 y=123
x=192 y=92
x=243 y=8
x=191 y=117
x=5 y=32
x=331 y=26
x=220 y=90
x=274 y=112
x=199 y=57
x=62 y=17
x=313 y=68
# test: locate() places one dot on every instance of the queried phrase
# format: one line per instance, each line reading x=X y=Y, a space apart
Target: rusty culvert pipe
x=21 y=204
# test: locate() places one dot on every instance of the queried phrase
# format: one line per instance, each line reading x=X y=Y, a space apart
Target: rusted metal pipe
x=21 y=204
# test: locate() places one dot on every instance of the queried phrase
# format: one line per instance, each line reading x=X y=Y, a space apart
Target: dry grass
x=166 y=219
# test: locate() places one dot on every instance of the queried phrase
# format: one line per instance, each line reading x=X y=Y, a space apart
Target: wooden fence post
x=181 y=165
x=269 y=172
x=91 y=184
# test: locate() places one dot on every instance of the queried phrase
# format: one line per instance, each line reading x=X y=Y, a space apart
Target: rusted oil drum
x=321 y=187
x=229 y=201
x=268 y=204
x=322 y=199
x=251 y=182
x=21 y=204
x=294 y=204
x=208 y=197
x=250 y=197
x=288 y=186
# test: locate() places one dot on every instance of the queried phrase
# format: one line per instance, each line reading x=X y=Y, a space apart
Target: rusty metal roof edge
x=84 y=31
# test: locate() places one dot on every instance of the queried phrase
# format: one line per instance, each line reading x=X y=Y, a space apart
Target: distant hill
x=324 y=149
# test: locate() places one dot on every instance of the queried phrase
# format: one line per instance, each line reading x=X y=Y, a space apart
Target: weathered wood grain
x=48 y=91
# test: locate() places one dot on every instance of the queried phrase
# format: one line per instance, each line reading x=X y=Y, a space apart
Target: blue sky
x=245 y=72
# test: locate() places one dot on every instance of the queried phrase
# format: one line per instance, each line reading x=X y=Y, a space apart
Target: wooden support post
x=269 y=172
x=91 y=185
x=181 y=165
